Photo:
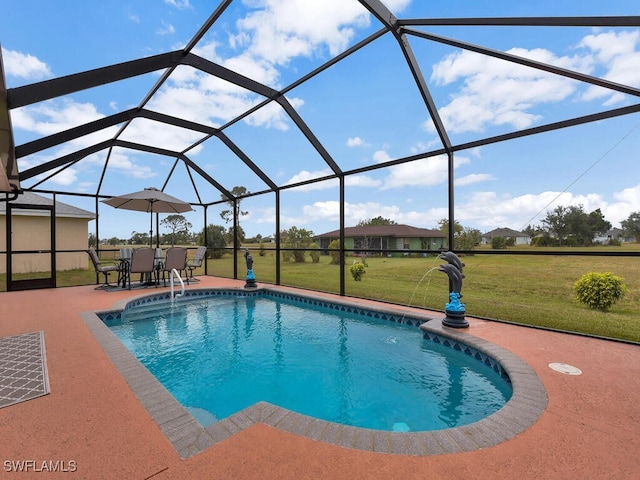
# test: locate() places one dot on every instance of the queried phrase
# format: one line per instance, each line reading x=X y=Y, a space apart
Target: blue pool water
x=221 y=354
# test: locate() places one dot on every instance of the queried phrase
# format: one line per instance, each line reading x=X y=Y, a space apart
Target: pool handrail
x=173 y=295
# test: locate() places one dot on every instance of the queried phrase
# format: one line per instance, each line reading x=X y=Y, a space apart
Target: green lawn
x=529 y=289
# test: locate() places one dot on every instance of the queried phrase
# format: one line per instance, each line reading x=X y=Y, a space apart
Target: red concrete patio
x=590 y=429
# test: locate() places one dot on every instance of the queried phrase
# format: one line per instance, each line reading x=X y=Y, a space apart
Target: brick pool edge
x=188 y=437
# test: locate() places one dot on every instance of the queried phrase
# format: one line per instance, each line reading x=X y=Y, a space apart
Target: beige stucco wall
x=33 y=233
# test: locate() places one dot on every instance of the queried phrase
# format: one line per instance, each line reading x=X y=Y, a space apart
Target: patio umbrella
x=149 y=200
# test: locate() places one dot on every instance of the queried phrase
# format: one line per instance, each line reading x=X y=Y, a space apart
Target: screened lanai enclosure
x=324 y=113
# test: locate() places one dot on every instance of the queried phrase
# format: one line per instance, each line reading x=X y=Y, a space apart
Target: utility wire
x=605 y=154
x=598 y=160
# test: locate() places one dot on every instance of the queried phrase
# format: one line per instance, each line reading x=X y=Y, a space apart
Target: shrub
x=599 y=290
x=299 y=255
x=334 y=247
x=216 y=242
x=498 y=242
x=314 y=253
x=358 y=270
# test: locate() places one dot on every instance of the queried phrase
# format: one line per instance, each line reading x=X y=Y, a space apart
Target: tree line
x=572 y=226
x=563 y=226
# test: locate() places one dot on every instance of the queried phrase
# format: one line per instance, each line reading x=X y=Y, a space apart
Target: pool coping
x=189 y=437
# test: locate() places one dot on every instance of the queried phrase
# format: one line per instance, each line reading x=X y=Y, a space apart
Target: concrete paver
x=589 y=430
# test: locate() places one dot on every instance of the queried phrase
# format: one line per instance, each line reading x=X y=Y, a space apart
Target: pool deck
x=589 y=430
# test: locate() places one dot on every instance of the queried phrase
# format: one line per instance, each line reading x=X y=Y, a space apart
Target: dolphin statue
x=455 y=276
x=453 y=259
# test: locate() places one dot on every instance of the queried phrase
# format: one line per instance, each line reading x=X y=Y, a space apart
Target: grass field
x=529 y=289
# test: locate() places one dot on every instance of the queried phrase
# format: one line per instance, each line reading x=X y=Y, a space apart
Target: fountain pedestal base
x=455 y=312
x=251 y=280
x=455 y=319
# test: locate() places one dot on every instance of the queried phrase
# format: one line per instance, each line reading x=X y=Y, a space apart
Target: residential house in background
x=386 y=239
x=32 y=232
x=519 y=237
x=615 y=234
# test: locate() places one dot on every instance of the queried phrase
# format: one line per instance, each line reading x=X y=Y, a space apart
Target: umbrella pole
x=151 y=227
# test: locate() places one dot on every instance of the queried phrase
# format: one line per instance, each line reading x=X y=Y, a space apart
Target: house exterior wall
x=519 y=240
x=33 y=233
x=390 y=243
x=428 y=243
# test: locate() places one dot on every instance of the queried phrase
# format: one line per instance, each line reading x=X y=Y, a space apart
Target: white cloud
x=198 y=106
x=329 y=212
x=181 y=4
x=65 y=177
x=473 y=178
x=212 y=101
x=617 y=51
x=350 y=181
x=166 y=29
x=626 y=202
x=25 y=66
x=304 y=175
x=284 y=29
x=124 y=162
x=161 y=135
x=421 y=147
x=272 y=116
x=483 y=210
x=47 y=118
x=85 y=186
x=361 y=181
x=381 y=156
x=356 y=142
x=257 y=69
x=488 y=210
x=396 y=6
x=497 y=92
x=426 y=172
x=272 y=34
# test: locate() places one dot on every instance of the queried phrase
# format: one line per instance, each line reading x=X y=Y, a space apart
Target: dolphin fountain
x=454 y=309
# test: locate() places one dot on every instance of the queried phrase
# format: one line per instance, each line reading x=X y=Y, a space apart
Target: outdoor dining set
x=150 y=263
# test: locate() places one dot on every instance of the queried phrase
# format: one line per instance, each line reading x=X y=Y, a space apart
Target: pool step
x=144 y=312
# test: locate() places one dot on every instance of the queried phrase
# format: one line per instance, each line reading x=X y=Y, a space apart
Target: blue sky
x=365 y=110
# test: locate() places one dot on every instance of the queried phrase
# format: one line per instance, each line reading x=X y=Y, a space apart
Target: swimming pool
x=224 y=353
x=189 y=437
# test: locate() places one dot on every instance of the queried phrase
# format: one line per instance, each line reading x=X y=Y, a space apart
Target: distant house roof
x=504 y=232
x=614 y=232
x=401 y=231
x=62 y=209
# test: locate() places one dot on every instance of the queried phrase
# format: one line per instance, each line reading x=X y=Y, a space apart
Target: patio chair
x=104 y=269
x=176 y=259
x=201 y=253
x=142 y=261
